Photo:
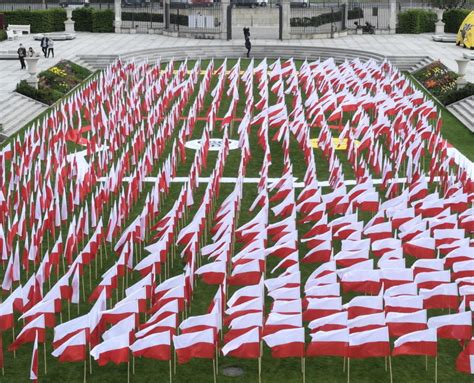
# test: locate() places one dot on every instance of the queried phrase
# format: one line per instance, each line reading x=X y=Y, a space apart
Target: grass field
x=410 y=369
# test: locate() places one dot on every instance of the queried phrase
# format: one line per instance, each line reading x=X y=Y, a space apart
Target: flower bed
x=438 y=79
x=55 y=82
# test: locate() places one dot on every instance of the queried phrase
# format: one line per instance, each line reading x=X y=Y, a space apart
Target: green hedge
x=82 y=19
x=458 y=94
x=41 y=21
x=355 y=13
x=416 y=21
x=453 y=19
x=103 y=21
x=142 y=16
x=46 y=96
x=3 y=35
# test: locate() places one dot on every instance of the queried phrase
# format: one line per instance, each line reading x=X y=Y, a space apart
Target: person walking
x=21 y=56
x=50 y=47
x=248 y=46
x=44 y=45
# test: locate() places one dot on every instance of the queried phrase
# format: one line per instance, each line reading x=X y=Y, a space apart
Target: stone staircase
x=17 y=110
x=407 y=63
x=463 y=110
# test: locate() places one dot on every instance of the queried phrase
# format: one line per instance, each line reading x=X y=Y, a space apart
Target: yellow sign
x=465 y=35
x=336 y=142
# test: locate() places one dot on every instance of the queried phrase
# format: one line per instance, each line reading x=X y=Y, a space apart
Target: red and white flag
x=369 y=344
x=452 y=326
x=113 y=350
x=286 y=343
x=34 y=361
x=154 y=346
x=72 y=350
x=329 y=343
x=422 y=342
x=245 y=346
x=199 y=344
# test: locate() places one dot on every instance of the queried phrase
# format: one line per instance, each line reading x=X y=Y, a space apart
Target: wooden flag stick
x=174 y=353
x=348 y=369
x=390 y=367
x=426 y=362
x=260 y=370
x=128 y=372
x=385 y=364
x=436 y=369
x=344 y=365
x=44 y=355
x=133 y=365
x=13 y=336
x=171 y=374
x=214 y=370
x=85 y=370
x=303 y=368
x=90 y=359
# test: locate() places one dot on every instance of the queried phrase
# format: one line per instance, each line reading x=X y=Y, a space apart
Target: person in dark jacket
x=248 y=46
x=246 y=33
x=21 y=56
x=44 y=45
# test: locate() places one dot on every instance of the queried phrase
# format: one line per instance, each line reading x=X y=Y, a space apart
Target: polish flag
x=444 y=296
x=246 y=274
x=321 y=307
x=115 y=350
x=361 y=280
x=366 y=322
x=405 y=289
x=330 y=290
x=369 y=344
x=31 y=331
x=328 y=323
x=153 y=346
x=286 y=343
x=73 y=349
x=432 y=279
x=199 y=344
x=329 y=343
x=453 y=326
x=276 y=322
x=34 y=361
x=382 y=246
x=465 y=360
x=463 y=269
x=394 y=277
x=361 y=305
x=246 y=345
x=426 y=265
x=213 y=273
x=423 y=342
x=403 y=303
x=420 y=248
x=379 y=231
x=403 y=323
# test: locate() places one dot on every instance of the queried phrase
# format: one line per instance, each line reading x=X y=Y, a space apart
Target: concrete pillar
x=69 y=23
x=118 y=16
x=224 y=5
x=345 y=5
x=393 y=17
x=32 y=69
x=166 y=14
x=285 y=7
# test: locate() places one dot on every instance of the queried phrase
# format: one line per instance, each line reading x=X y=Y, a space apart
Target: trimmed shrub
x=316 y=21
x=103 y=21
x=458 y=94
x=46 y=96
x=453 y=19
x=142 y=16
x=356 y=13
x=41 y=21
x=83 y=19
x=3 y=35
x=416 y=21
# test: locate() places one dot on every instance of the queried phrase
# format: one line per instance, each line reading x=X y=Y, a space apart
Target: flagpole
x=44 y=355
x=128 y=372
x=171 y=374
x=436 y=369
x=390 y=367
x=85 y=370
x=348 y=369
x=303 y=368
x=260 y=369
x=214 y=370
x=13 y=336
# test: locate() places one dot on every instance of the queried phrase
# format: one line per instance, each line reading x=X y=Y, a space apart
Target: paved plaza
x=107 y=44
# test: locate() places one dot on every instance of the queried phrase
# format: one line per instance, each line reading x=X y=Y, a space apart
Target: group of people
x=248 y=44
x=47 y=46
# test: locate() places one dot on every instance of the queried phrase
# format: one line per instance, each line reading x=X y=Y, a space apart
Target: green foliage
x=142 y=16
x=55 y=82
x=448 y=4
x=416 y=21
x=316 y=21
x=355 y=13
x=458 y=94
x=103 y=21
x=437 y=79
x=93 y=20
x=3 y=35
x=41 y=21
x=453 y=19
x=83 y=19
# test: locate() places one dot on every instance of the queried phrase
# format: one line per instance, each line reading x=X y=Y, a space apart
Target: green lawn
x=409 y=369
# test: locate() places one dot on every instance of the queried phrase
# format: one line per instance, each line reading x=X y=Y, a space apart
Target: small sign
x=215 y=144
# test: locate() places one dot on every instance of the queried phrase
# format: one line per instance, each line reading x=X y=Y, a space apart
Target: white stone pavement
x=103 y=44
